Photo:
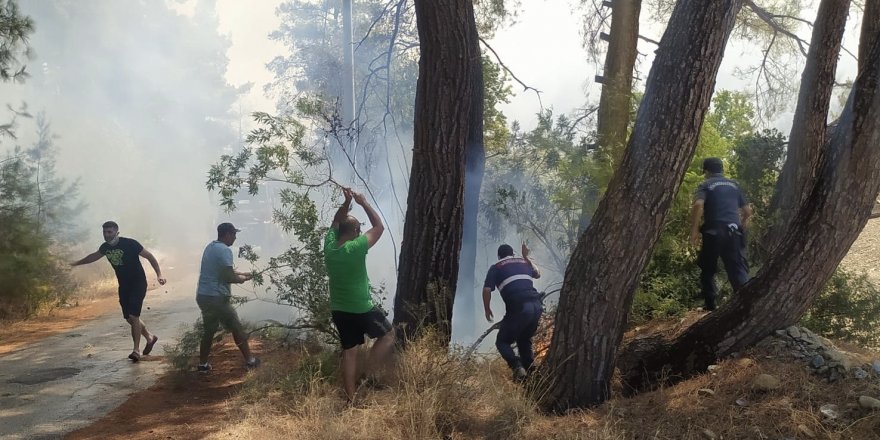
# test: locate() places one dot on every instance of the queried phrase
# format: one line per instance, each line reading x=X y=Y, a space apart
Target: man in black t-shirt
x=720 y=202
x=124 y=255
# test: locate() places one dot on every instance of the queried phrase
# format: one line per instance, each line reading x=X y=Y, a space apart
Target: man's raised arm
x=342 y=212
x=377 y=227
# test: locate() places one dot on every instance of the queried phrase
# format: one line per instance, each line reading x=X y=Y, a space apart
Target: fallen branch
x=275 y=324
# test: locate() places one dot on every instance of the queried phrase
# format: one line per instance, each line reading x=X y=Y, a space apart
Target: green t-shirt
x=347 y=269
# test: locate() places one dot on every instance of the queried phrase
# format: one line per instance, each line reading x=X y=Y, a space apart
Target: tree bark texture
x=808 y=130
x=603 y=272
x=448 y=120
x=827 y=223
x=614 y=102
x=870 y=26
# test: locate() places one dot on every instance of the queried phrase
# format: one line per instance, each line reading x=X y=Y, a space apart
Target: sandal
x=149 y=347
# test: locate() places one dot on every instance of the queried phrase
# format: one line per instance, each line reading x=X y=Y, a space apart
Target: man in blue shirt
x=720 y=202
x=512 y=277
x=213 y=296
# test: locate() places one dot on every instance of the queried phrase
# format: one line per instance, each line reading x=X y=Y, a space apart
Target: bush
x=182 y=354
x=848 y=309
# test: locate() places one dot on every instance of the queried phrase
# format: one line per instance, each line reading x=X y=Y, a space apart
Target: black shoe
x=204 y=368
x=134 y=356
x=520 y=375
x=253 y=363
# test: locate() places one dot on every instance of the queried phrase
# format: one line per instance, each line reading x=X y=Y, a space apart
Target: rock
x=803 y=429
x=766 y=382
x=794 y=332
x=712 y=368
x=829 y=410
x=742 y=402
x=876 y=366
x=823 y=369
x=833 y=375
x=705 y=392
x=842 y=359
x=869 y=402
x=809 y=337
x=709 y=434
x=782 y=333
x=825 y=342
x=818 y=361
x=745 y=362
x=859 y=373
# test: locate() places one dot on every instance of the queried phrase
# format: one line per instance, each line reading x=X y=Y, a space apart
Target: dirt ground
x=864 y=255
x=181 y=405
x=17 y=334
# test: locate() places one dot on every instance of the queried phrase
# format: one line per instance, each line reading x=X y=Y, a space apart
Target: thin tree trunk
x=827 y=223
x=603 y=273
x=448 y=120
x=615 y=100
x=808 y=130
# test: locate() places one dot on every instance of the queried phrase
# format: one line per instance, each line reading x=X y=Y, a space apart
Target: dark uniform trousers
x=519 y=326
x=729 y=243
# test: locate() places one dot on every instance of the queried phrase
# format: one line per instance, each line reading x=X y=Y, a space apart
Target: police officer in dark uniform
x=722 y=205
x=512 y=276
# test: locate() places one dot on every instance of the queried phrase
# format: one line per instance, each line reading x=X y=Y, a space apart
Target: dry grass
x=443 y=396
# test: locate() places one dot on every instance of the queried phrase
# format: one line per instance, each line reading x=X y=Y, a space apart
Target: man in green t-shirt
x=351 y=305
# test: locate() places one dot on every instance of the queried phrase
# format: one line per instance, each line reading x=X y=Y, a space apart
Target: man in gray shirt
x=213 y=295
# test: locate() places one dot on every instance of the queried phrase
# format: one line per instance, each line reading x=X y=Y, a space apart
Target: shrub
x=848 y=309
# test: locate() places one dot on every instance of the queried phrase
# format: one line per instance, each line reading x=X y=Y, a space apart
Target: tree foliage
x=14 y=31
x=38 y=211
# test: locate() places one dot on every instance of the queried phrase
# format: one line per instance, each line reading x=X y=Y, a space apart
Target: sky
x=543 y=48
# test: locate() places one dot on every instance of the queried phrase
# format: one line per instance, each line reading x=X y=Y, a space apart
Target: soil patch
x=95 y=301
x=181 y=405
x=15 y=335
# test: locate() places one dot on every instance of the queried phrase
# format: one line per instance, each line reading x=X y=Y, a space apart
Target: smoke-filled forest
x=453 y=219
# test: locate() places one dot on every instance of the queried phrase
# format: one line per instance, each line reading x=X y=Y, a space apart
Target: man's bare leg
x=380 y=354
x=241 y=340
x=137 y=327
x=349 y=371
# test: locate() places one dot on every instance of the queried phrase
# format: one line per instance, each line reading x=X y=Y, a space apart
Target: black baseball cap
x=713 y=165
x=505 y=251
x=225 y=228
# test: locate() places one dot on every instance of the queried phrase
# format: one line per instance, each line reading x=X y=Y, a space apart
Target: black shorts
x=131 y=298
x=353 y=326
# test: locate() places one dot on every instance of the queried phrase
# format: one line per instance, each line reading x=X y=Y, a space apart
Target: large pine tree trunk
x=870 y=26
x=448 y=119
x=808 y=130
x=604 y=269
x=830 y=219
x=614 y=103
